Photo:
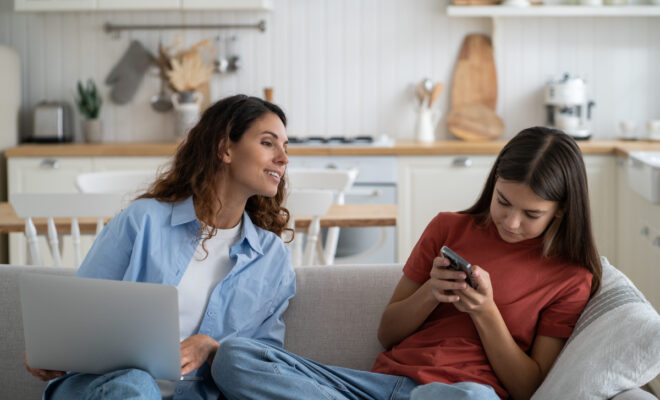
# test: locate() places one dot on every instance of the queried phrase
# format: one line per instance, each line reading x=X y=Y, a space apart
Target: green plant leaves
x=89 y=100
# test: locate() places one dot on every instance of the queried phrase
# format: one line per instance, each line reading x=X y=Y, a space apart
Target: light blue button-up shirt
x=153 y=241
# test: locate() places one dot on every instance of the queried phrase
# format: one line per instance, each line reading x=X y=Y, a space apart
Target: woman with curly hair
x=211 y=226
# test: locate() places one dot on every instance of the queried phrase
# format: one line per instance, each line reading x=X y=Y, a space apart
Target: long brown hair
x=550 y=163
x=196 y=163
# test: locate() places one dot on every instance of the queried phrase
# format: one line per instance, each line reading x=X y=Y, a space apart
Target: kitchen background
x=345 y=67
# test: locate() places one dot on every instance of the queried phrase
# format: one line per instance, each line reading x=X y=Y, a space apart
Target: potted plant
x=89 y=104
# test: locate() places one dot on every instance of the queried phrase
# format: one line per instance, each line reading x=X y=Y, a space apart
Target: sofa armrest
x=634 y=394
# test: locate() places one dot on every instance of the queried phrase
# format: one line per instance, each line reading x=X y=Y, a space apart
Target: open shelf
x=555 y=11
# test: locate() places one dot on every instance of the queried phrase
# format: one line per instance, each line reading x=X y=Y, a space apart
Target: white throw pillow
x=615 y=345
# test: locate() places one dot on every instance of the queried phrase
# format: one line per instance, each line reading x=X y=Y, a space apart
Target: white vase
x=186 y=111
x=427 y=119
x=92 y=130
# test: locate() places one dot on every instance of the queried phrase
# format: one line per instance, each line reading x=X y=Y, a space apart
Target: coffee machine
x=567 y=106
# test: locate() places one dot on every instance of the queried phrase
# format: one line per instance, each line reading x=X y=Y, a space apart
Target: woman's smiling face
x=258 y=160
x=518 y=213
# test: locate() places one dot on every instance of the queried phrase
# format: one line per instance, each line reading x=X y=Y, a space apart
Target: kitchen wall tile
x=343 y=67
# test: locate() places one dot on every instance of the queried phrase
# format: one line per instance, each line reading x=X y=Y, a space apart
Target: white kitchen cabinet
x=54 y=5
x=57 y=175
x=602 y=179
x=227 y=4
x=138 y=4
x=45 y=175
x=129 y=163
x=102 y=5
x=429 y=185
x=639 y=238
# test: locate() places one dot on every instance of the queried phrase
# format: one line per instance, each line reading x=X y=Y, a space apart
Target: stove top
x=382 y=141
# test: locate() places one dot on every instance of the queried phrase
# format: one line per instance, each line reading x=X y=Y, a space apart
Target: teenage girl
x=535 y=265
x=210 y=226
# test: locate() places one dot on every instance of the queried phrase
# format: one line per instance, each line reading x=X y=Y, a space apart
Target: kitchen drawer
x=41 y=175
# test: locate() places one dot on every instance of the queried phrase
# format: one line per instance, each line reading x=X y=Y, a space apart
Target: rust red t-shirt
x=535 y=295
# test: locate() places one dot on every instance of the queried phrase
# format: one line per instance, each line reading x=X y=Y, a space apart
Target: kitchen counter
x=401 y=148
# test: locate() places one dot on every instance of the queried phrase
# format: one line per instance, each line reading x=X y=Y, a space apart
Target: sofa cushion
x=334 y=316
x=615 y=345
x=15 y=381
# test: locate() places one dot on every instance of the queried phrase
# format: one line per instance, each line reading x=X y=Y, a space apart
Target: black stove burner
x=296 y=140
x=331 y=141
x=363 y=139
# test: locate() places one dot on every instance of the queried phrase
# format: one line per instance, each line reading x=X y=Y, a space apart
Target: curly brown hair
x=193 y=172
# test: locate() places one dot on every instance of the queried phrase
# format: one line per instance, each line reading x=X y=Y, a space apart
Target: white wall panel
x=344 y=67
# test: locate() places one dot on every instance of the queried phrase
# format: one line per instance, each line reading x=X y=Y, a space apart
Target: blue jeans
x=131 y=384
x=255 y=370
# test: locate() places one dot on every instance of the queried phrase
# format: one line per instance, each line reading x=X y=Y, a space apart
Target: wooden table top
x=344 y=216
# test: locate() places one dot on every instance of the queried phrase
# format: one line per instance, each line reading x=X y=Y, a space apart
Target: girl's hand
x=43 y=374
x=195 y=350
x=476 y=301
x=445 y=283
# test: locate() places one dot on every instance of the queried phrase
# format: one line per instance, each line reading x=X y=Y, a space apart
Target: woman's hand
x=43 y=374
x=449 y=286
x=195 y=350
x=476 y=301
x=445 y=283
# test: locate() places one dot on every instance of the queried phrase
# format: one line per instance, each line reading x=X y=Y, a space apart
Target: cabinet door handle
x=51 y=163
x=462 y=162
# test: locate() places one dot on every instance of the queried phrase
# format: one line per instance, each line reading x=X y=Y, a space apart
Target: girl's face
x=518 y=213
x=256 y=163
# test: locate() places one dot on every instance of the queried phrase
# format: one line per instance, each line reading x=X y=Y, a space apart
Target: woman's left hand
x=476 y=301
x=195 y=350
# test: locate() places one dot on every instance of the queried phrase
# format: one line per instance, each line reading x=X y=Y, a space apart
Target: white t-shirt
x=202 y=276
x=197 y=283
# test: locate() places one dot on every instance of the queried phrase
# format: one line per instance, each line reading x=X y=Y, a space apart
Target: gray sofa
x=333 y=319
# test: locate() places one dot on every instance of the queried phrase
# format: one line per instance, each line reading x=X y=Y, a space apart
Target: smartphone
x=458 y=263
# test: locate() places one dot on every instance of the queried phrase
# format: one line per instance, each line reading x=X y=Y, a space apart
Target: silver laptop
x=97 y=326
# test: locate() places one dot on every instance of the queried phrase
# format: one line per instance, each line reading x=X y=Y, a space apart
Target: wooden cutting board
x=475 y=122
x=475 y=78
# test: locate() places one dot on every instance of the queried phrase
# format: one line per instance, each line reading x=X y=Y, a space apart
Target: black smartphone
x=458 y=263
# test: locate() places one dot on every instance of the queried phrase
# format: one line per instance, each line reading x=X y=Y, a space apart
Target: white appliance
x=10 y=96
x=568 y=107
x=10 y=102
x=375 y=184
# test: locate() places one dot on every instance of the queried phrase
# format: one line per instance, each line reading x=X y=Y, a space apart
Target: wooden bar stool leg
x=54 y=243
x=312 y=237
x=75 y=238
x=32 y=242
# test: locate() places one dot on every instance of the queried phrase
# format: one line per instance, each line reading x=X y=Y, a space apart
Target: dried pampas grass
x=186 y=69
x=188 y=73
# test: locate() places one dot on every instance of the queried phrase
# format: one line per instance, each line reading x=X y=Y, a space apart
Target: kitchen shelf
x=555 y=11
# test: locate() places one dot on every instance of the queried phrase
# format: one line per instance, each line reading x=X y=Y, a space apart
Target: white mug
x=628 y=129
x=653 y=129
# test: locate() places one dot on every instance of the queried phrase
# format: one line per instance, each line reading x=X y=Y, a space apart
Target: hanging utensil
x=161 y=102
x=220 y=63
